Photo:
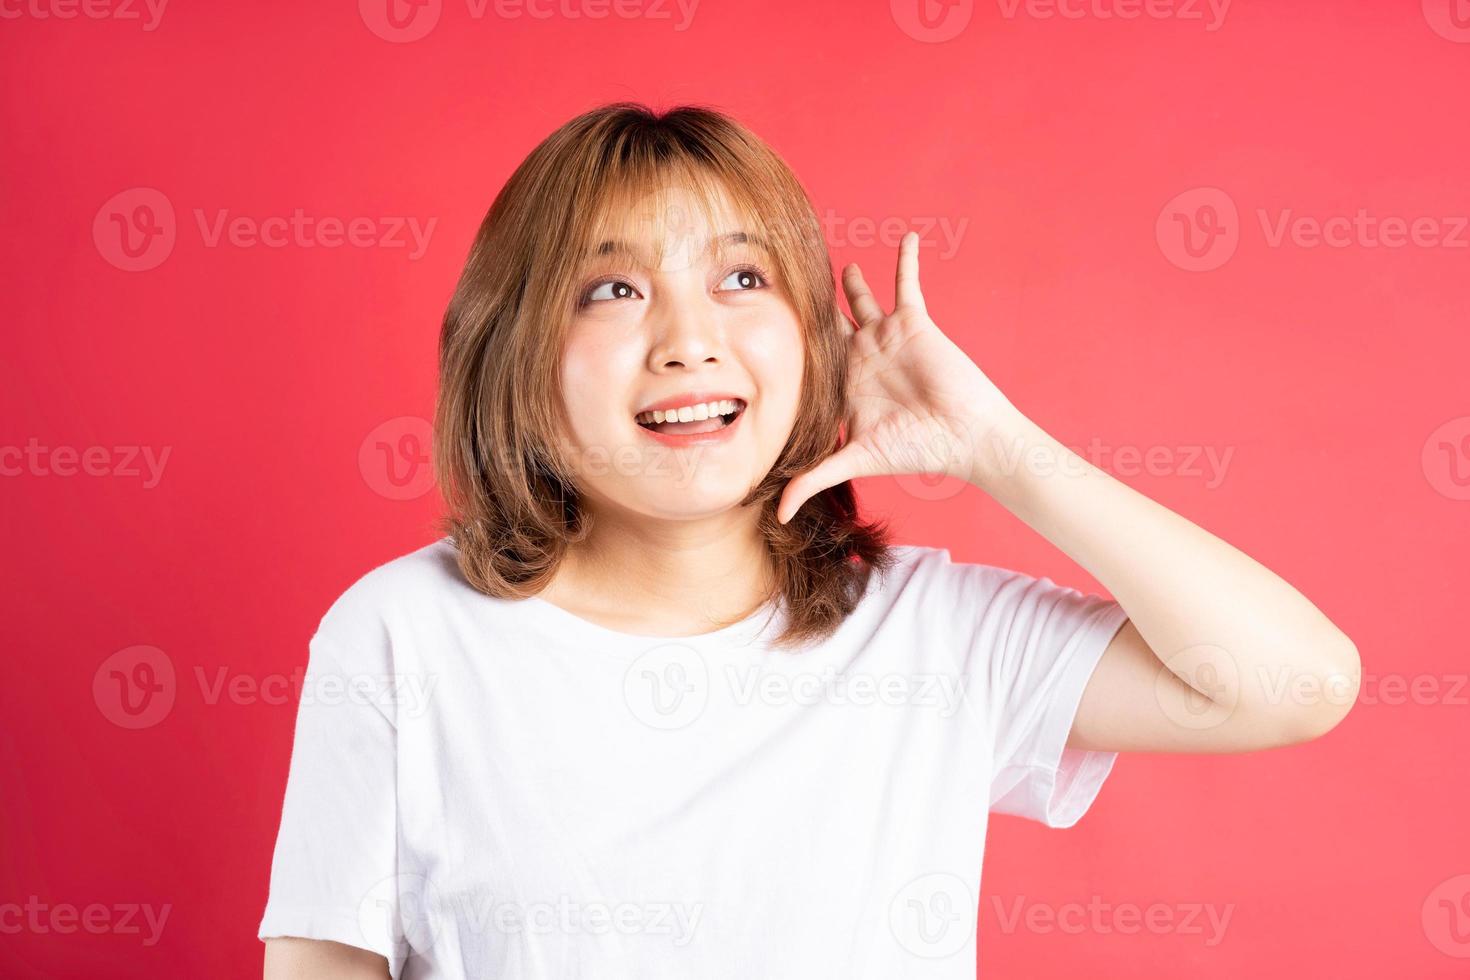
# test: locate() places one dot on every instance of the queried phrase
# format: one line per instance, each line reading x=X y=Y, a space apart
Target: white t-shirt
x=500 y=789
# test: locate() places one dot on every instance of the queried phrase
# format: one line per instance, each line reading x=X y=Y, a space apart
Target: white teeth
x=690 y=413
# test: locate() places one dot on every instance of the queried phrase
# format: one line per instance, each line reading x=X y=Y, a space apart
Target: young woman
x=661 y=705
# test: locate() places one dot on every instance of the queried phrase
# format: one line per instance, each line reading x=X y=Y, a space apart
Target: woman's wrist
x=1000 y=442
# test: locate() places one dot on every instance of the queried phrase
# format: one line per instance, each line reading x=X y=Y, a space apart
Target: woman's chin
x=693 y=502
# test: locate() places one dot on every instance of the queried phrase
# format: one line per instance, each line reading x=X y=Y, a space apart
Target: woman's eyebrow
x=740 y=238
x=715 y=243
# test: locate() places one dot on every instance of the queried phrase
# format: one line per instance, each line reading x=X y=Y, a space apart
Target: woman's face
x=705 y=330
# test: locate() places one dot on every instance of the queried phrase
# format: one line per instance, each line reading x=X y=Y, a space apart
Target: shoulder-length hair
x=513 y=502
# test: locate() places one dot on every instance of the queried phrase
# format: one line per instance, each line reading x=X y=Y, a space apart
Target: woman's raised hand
x=917 y=403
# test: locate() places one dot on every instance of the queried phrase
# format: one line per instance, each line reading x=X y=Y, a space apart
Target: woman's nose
x=686 y=332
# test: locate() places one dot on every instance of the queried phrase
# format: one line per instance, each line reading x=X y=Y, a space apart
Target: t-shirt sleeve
x=1032 y=646
x=333 y=875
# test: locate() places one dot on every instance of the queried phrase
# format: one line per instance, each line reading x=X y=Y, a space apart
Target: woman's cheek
x=592 y=378
x=774 y=356
x=578 y=416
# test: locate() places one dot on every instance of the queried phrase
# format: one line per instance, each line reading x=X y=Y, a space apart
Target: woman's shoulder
x=434 y=566
x=419 y=583
x=931 y=576
x=925 y=566
x=923 y=581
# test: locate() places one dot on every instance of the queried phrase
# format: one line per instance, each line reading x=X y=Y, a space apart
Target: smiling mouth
x=687 y=421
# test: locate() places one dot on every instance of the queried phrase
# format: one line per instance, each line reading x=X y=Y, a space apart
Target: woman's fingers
x=906 y=290
x=864 y=307
x=847 y=463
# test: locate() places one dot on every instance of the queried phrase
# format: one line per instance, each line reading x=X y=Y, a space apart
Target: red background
x=1325 y=371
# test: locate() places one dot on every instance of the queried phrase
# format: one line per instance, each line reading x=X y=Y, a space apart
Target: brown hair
x=512 y=501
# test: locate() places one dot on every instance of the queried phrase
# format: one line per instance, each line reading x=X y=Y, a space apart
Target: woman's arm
x=289 y=958
x=1219 y=654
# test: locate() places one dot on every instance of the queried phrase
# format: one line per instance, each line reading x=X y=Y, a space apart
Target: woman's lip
x=721 y=434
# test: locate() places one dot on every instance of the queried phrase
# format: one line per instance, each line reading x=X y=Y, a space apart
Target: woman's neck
x=666 y=578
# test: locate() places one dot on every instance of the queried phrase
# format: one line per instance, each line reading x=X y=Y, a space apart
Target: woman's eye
x=611 y=289
x=744 y=279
